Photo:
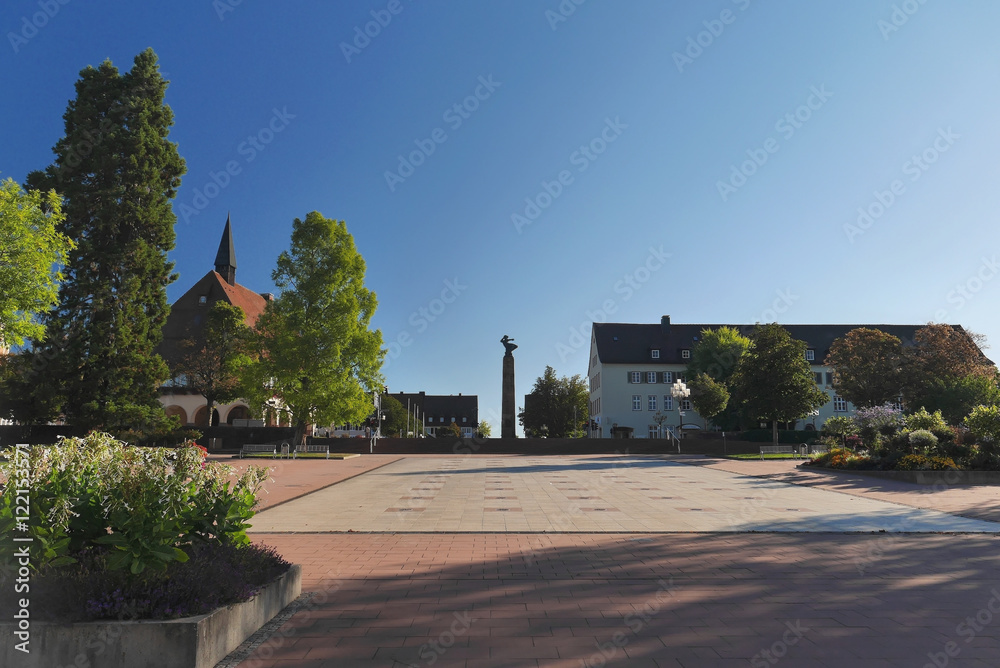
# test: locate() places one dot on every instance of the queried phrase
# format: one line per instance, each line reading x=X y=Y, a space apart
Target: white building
x=632 y=368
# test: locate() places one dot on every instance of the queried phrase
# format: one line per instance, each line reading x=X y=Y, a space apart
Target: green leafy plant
x=922 y=441
x=148 y=505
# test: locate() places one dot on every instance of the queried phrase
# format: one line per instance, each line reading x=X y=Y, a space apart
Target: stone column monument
x=508 y=408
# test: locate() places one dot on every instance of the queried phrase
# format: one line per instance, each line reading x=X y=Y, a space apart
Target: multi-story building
x=437 y=410
x=633 y=366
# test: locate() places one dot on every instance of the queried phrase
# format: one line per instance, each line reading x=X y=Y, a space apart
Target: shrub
x=879 y=420
x=984 y=423
x=924 y=420
x=842 y=459
x=922 y=441
x=840 y=425
x=925 y=463
x=150 y=505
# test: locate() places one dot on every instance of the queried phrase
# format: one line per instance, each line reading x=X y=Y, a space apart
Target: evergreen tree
x=117 y=172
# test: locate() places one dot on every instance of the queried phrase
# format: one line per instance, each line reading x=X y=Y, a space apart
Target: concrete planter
x=945 y=478
x=196 y=642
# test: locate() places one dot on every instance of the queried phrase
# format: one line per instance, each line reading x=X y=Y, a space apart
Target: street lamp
x=679 y=391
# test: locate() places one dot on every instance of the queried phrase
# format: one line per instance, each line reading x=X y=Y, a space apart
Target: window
x=654 y=353
x=635 y=377
x=668 y=402
x=203 y=300
x=650 y=376
x=465 y=419
x=898 y=403
x=651 y=400
x=839 y=404
x=668 y=377
x=685 y=404
x=442 y=419
x=819 y=377
x=810 y=354
x=829 y=378
x=453 y=419
x=654 y=431
x=685 y=354
x=637 y=402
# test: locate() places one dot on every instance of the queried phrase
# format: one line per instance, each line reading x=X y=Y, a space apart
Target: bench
x=778 y=450
x=251 y=448
x=819 y=449
x=325 y=449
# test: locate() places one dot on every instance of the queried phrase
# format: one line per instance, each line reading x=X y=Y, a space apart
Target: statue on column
x=508 y=344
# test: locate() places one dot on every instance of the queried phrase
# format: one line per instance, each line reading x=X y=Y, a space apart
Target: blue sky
x=724 y=161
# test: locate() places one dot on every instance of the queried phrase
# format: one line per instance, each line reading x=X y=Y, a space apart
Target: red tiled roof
x=248 y=300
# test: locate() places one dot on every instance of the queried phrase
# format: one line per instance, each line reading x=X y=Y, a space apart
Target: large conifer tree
x=117 y=173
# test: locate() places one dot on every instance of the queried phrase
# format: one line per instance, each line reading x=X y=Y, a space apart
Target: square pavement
x=608 y=561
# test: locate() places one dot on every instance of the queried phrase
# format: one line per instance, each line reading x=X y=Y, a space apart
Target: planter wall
x=928 y=477
x=196 y=642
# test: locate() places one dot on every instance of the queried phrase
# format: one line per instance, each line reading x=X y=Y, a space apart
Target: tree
x=717 y=353
x=956 y=397
x=31 y=251
x=941 y=354
x=773 y=380
x=867 y=367
x=395 y=420
x=315 y=352
x=117 y=172
x=708 y=396
x=556 y=407
x=484 y=430
x=450 y=430
x=984 y=423
x=211 y=367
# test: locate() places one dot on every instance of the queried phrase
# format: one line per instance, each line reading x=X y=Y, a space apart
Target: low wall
x=944 y=478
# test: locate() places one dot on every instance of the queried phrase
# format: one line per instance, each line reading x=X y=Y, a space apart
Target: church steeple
x=225 y=259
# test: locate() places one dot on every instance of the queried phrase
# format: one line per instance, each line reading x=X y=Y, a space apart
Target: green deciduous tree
x=717 y=353
x=956 y=397
x=557 y=407
x=867 y=367
x=31 y=251
x=211 y=364
x=484 y=430
x=708 y=396
x=117 y=172
x=773 y=380
x=395 y=421
x=316 y=353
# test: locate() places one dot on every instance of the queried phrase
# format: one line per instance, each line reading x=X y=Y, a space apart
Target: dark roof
x=226 y=256
x=623 y=343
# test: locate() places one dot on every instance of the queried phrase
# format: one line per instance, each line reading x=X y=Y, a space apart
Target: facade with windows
x=633 y=366
x=438 y=410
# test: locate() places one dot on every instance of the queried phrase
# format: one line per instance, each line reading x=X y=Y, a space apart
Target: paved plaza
x=630 y=561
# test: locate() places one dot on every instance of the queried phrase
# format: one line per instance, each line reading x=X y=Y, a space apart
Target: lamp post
x=679 y=391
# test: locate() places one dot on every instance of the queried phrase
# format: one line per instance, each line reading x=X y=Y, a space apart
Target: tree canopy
x=940 y=356
x=867 y=367
x=717 y=353
x=117 y=173
x=549 y=409
x=211 y=365
x=708 y=396
x=31 y=251
x=315 y=352
x=773 y=380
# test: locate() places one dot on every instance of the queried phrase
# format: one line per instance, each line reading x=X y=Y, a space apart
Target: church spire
x=225 y=259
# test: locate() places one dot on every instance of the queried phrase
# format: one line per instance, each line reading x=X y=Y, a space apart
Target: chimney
x=268 y=296
x=665 y=326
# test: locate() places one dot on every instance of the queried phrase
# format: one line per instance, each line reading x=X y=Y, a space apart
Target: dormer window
x=810 y=354
x=203 y=300
x=685 y=354
x=654 y=353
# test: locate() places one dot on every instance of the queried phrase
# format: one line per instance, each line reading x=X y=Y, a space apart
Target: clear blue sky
x=660 y=134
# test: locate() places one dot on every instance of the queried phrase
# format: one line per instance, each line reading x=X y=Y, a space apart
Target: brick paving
x=647 y=599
